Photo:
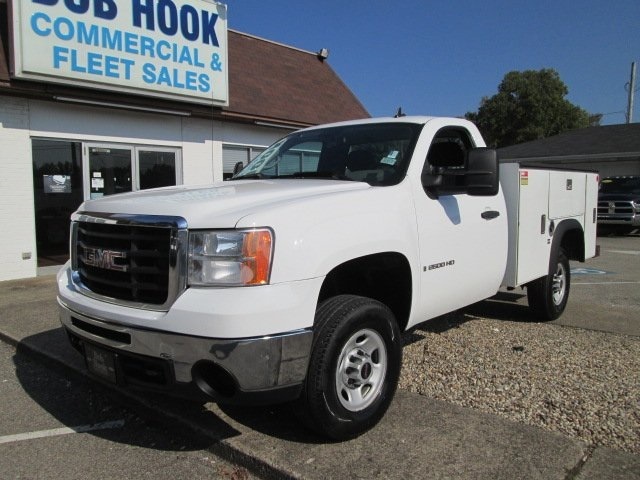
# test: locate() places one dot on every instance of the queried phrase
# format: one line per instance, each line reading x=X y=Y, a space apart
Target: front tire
x=354 y=366
x=548 y=295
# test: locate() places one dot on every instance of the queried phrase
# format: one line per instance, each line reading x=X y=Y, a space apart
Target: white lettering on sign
x=171 y=48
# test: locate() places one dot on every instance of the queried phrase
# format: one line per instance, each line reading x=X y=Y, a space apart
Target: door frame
x=134 y=164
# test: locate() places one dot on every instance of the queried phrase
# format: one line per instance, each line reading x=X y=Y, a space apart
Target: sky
x=442 y=57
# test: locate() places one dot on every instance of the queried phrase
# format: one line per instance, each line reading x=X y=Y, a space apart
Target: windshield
x=621 y=185
x=378 y=154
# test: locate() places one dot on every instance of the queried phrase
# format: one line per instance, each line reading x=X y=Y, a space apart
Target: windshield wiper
x=325 y=175
x=321 y=175
x=251 y=176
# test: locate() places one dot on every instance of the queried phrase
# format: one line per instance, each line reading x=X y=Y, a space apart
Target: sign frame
x=170 y=49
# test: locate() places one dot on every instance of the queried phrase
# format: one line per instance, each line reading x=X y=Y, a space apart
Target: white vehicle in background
x=295 y=279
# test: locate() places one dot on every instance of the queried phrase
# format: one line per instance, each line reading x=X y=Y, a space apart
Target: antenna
x=632 y=88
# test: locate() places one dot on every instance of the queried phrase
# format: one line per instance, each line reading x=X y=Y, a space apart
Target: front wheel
x=354 y=366
x=548 y=295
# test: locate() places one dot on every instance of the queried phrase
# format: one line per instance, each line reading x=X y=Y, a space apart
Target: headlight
x=230 y=257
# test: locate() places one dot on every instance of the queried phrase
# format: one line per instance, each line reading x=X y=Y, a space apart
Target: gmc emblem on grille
x=107 y=259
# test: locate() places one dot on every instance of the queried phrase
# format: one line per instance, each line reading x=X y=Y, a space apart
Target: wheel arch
x=385 y=277
x=569 y=235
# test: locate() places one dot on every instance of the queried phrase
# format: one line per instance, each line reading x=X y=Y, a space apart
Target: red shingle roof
x=280 y=82
x=267 y=81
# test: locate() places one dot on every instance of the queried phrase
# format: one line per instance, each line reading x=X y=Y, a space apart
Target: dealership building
x=110 y=96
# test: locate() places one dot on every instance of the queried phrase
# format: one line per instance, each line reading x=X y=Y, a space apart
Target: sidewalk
x=418 y=438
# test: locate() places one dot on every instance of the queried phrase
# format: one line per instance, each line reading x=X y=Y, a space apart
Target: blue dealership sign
x=169 y=48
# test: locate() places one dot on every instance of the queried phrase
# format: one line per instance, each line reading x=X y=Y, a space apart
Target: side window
x=447 y=157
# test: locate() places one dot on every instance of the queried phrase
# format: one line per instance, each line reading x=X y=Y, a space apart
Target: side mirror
x=237 y=167
x=443 y=173
x=431 y=180
x=482 y=176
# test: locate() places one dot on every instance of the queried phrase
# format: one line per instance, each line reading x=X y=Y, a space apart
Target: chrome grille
x=129 y=259
x=623 y=208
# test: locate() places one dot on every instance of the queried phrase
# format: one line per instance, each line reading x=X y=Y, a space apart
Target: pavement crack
x=573 y=473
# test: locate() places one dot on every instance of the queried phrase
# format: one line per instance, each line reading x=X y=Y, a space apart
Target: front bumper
x=630 y=221
x=245 y=370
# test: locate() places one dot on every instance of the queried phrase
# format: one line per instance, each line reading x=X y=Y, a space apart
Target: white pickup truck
x=295 y=279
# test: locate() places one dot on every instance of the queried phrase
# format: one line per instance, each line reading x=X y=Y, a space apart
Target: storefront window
x=157 y=168
x=60 y=185
x=109 y=171
x=58 y=191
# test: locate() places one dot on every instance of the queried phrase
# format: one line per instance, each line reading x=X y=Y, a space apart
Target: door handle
x=490 y=214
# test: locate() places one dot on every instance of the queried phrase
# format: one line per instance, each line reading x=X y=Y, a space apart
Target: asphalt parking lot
x=61 y=426
x=433 y=439
x=605 y=290
x=605 y=293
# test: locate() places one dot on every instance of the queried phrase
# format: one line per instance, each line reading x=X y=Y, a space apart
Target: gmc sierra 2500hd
x=295 y=279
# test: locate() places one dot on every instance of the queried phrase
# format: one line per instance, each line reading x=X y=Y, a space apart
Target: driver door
x=462 y=238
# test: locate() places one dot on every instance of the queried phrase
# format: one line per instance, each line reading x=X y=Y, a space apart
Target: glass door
x=57 y=189
x=109 y=170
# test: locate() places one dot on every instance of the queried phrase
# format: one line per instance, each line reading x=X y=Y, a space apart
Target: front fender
x=316 y=234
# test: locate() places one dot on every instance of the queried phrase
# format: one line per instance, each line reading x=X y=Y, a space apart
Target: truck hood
x=220 y=205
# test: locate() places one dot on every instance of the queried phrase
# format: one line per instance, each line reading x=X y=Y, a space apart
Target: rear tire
x=548 y=295
x=354 y=367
